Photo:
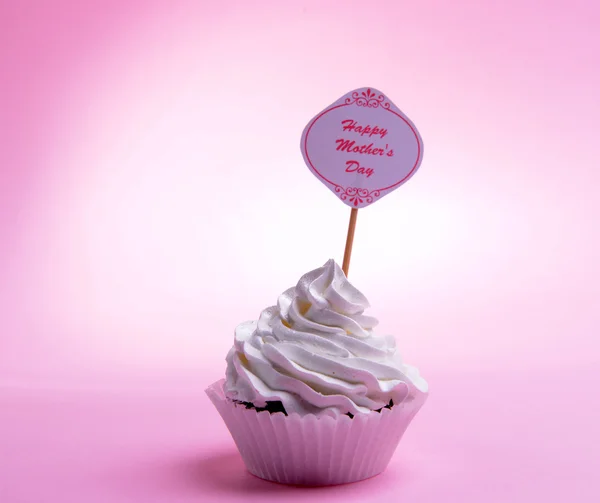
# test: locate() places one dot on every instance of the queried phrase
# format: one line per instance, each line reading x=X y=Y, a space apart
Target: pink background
x=125 y=124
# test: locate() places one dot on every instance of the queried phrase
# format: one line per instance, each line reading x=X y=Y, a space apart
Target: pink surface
x=481 y=437
x=124 y=130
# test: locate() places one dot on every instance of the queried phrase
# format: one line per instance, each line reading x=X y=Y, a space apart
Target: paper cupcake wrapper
x=314 y=450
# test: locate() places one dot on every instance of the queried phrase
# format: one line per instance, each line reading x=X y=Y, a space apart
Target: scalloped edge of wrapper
x=362 y=147
x=315 y=450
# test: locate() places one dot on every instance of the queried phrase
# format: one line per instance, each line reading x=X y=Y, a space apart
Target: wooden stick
x=349 y=240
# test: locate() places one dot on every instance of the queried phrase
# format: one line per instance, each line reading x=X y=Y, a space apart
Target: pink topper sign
x=362 y=147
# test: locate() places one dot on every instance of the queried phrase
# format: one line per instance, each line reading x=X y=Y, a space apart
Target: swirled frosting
x=315 y=351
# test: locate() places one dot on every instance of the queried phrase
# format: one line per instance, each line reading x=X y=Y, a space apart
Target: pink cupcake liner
x=311 y=450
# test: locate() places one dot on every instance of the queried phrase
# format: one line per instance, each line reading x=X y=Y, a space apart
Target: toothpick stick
x=349 y=240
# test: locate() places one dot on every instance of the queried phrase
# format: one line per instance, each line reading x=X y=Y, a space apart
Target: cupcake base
x=314 y=450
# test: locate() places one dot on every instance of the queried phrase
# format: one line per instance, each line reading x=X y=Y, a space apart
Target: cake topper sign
x=362 y=147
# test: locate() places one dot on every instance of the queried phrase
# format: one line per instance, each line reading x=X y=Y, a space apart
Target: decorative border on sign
x=364 y=99
x=368 y=99
x=357 y=196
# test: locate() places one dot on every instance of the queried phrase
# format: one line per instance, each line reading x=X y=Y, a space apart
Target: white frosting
x=316 y=353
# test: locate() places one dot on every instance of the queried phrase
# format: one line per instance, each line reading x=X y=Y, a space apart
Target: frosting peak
x=325 y=302
x=315 y=351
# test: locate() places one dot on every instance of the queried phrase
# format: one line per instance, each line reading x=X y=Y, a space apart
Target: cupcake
x=311 y=395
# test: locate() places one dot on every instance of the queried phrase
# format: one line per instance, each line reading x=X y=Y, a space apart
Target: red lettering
x=352 y=125
x=348 y=124
x=354 y=166
x=344 y=145
x=366 y=149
